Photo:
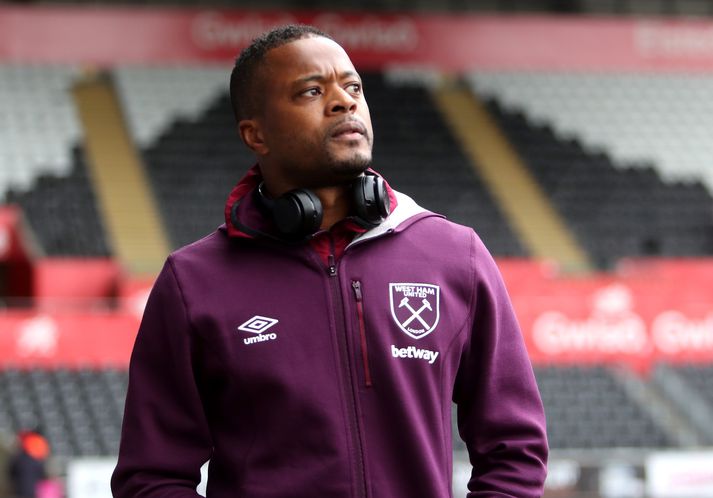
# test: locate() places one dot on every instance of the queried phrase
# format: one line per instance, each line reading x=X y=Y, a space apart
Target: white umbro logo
x=257 y=324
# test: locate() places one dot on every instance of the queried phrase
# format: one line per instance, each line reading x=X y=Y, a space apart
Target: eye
x=312 y=92
x=354 y=88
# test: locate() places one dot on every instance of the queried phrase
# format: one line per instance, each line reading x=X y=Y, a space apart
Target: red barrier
x=75 y=282
x=16 y=254
x=102 y=339
x=98 y=36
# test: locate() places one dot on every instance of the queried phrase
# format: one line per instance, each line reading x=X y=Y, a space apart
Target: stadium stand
x=38 y=122
x=193 y=157
x=192 y=168
x=418 y=154
x=699 y=378
x=195 y=161
x=181 y=115
x=653 y=217
x=78 y=410
x=154 y=97
x=182 y=118
x=42 y=167
x=62 y=212
x=587 y=407
x=655 y=119
x=689 y=387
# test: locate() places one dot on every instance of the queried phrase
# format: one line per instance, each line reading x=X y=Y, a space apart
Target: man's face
x=315 y=122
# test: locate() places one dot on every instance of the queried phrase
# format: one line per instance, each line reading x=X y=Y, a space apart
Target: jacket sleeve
x=500 y=413
x=165 y=437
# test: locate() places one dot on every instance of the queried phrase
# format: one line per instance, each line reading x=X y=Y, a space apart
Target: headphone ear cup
x=297 y=213
x=371 y=200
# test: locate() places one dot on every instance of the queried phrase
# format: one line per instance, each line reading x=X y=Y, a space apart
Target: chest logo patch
x=257 y=324
x=415 y=307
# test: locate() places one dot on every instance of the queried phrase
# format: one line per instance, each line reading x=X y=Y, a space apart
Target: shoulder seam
x=171 y=266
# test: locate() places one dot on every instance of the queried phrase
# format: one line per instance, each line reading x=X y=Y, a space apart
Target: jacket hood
x=246 y=184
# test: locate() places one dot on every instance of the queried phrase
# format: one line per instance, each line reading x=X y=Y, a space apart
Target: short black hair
x=243 y=94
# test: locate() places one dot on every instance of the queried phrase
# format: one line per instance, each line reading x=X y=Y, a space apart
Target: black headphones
x=297 y=214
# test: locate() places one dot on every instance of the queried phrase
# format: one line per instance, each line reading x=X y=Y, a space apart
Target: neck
x=335 y=203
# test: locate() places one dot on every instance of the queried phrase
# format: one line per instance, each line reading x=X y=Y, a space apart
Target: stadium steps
x=694 y=406
x=523 y=202
x=668 y=415
x=126 y=201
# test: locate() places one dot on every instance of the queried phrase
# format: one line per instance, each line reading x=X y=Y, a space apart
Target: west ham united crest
x=415 y=308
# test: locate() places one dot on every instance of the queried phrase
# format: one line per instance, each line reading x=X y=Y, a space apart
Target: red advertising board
x=120 y=35
x=658 y=310
x=650 y=311
x=70 y=339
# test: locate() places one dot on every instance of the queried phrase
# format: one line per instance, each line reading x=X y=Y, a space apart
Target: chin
x=353 y=166
x=351 y=170
x=338 y=174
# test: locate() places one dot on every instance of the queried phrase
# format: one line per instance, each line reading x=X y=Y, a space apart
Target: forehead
x=314 y=55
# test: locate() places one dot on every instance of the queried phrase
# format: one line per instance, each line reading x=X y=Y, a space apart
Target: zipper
x=356 y=285
x=331 y=267
x=331 y=263
x=349 y=383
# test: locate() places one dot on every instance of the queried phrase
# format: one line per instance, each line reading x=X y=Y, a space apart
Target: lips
x=348 y=129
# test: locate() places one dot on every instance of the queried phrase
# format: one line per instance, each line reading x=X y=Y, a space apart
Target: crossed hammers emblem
x=415 y=314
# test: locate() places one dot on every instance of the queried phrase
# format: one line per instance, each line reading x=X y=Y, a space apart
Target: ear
x=252 y=136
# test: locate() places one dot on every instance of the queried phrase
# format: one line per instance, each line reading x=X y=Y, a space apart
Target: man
x=26 y=467
x=311 y=346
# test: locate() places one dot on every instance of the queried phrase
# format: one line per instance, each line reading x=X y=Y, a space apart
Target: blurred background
x=576 y=137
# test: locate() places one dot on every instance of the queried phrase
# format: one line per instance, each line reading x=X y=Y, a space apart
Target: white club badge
x=415 y=307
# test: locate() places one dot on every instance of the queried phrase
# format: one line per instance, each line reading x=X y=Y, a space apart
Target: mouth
x=348 y=131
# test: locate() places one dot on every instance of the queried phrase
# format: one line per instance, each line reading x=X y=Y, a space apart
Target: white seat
x=37 y=119
x=153 y=97
x=661 y=118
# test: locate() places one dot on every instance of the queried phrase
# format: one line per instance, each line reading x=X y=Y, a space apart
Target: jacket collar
x=250 y=215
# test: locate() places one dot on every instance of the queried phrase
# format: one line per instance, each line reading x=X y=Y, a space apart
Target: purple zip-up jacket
x=300 y=380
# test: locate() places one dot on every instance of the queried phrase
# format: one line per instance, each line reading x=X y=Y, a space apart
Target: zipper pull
x=332 y=268
x=356 y=285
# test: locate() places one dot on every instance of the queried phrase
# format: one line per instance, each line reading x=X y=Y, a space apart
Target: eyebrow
x=321 y=77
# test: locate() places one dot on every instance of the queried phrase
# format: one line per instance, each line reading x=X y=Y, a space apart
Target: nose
x=341 y=102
